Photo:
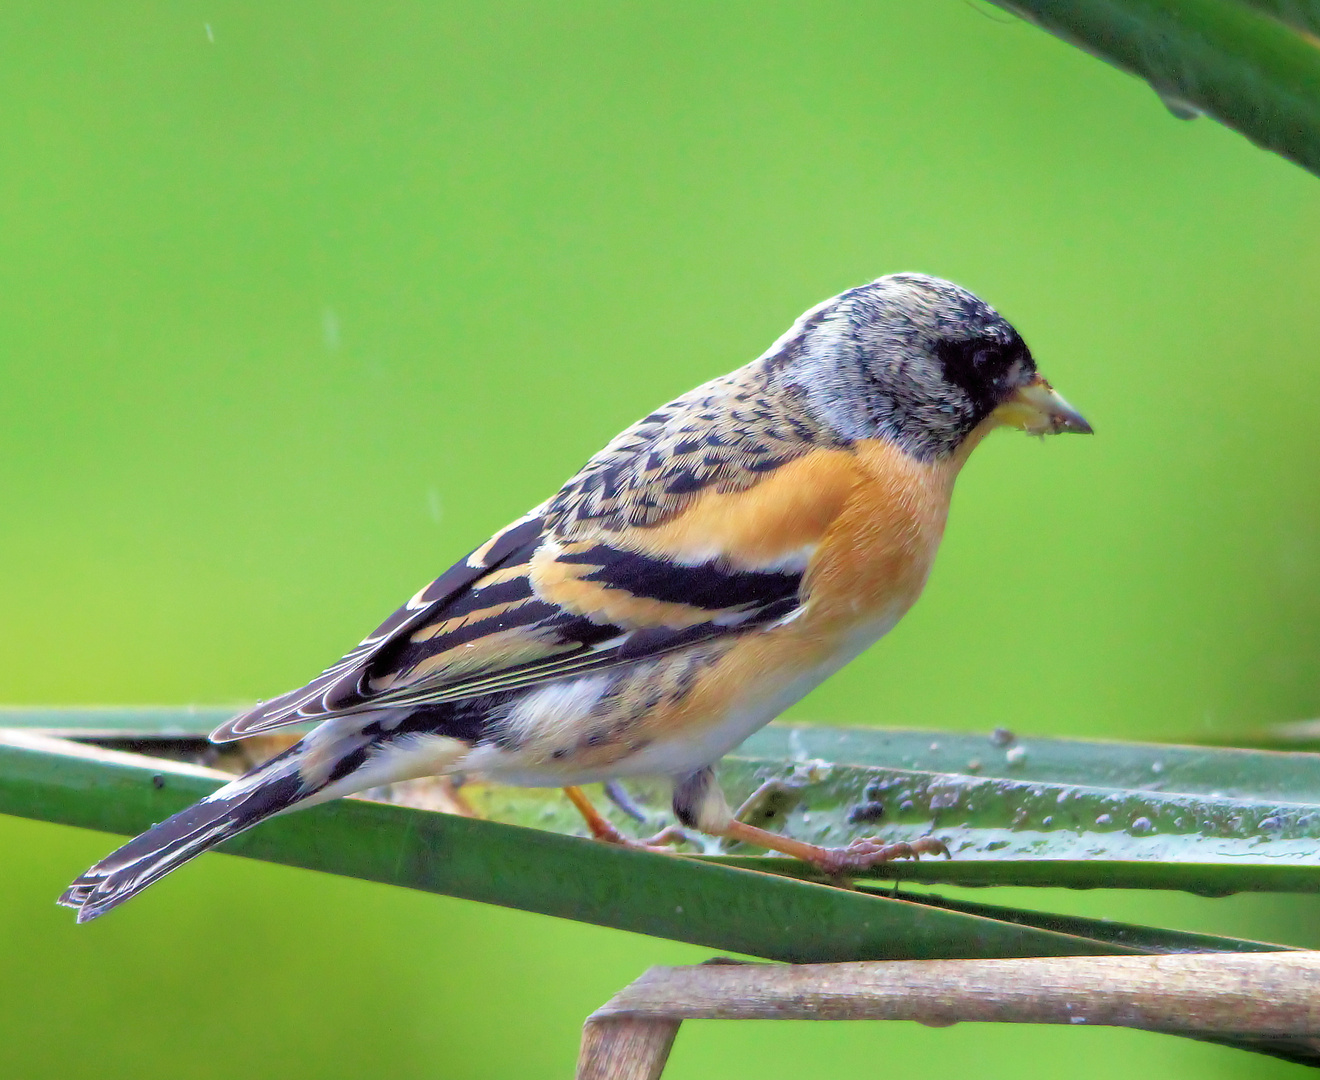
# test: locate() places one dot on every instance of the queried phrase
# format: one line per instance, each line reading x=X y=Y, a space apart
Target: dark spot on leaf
x=866 y=813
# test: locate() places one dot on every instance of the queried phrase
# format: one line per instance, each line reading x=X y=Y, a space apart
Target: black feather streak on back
x=738 y=599
x=342 y=686
x=711 y=585
x=549 y=620
x=468 y=719
x=487 y=596
x=563 y=633
x=513 y=546
x=726 y=434
x=647 y=644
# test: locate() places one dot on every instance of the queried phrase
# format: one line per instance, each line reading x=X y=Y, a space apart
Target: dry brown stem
x=1259 y=994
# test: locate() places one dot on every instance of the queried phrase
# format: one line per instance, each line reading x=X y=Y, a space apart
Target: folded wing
x=526 y=609
x=588 y=580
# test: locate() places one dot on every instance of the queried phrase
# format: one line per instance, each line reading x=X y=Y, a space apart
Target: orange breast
x=878 y=551
x=870 y=563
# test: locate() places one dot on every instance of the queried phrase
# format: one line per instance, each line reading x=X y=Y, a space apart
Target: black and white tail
x=268 y=789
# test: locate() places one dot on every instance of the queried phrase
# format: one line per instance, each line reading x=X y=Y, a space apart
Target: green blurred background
x=298 y=302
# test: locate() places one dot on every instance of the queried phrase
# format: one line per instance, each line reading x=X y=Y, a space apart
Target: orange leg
x=699 y=802
x=601 y=829
x=858 y=856
x=700 y=793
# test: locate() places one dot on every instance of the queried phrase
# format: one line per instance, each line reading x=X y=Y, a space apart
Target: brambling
x=706 y=569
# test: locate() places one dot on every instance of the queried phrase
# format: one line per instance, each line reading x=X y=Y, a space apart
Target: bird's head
x=921 y=362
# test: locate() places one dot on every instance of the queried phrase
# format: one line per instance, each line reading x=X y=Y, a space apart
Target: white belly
x=688 y=753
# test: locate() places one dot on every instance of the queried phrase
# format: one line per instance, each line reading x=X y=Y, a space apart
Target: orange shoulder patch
x=775 y=524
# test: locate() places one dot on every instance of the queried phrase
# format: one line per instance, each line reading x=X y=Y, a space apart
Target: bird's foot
x=664 y=841
x=858 y=856
x=864 y=854
x=603 y=829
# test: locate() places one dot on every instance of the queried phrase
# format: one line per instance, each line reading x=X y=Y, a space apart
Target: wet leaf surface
x=1008 y=823
x=1014 y=810
x=1253 y=65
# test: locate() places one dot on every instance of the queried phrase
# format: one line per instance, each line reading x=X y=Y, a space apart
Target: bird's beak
x=1038 y=410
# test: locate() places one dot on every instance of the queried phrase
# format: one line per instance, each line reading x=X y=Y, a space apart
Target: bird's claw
x=663 y=841
x=666 y=839
x=865 y=853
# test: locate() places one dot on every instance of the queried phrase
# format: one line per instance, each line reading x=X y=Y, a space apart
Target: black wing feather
x=528 y=640
x=339 y=688
x=728 y=435
x=737 y=600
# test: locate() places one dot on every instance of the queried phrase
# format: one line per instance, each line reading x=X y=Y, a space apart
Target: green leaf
x=1141 y=939
x=1043 y=812
x=680 y=898
x=687 y=899
x=1028 y=811
x=1140 y=766
x=1055 y=812
x=1299 y=14
x=1254 y=66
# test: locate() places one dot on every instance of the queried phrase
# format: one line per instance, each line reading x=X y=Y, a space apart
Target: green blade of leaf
x=1205 y=820
x=1253 y=66
x=1288 y=777
x=1299 y=14
x=1292 y=735
x=1009 y=833
x=680 y=898
x=1191 y=769
x=1036 y=832
x=1015 y=811
x=1143 y=939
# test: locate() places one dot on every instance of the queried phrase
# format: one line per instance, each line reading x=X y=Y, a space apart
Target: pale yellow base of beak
x=1038 y=410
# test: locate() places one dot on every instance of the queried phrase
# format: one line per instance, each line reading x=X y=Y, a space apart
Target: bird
x=712 y=564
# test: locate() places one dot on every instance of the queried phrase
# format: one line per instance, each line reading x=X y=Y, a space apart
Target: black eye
x=978 y=367
x=975 y=360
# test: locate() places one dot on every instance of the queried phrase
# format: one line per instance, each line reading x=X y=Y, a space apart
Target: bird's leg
x=858 y=856
x=618 y=795
x=670 y=834
x=602 y=829
x=699 y=803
